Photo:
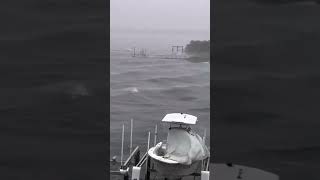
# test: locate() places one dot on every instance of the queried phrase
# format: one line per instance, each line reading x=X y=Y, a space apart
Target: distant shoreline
x=198 y=51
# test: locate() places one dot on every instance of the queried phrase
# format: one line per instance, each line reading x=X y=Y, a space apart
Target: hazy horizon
x=158 y=24
x=160 y=15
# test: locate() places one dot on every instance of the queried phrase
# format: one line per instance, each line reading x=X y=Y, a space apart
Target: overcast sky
x=160 y=14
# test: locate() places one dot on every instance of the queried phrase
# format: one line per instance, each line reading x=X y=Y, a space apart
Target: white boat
x=184 y=154
x=184 y=151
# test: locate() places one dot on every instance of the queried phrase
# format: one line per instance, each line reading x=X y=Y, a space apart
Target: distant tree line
x=196 y=47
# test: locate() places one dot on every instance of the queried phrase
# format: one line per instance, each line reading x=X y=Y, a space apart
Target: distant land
x=198 y=51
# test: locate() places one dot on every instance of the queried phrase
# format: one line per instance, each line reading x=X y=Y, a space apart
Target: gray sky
x=160 y=14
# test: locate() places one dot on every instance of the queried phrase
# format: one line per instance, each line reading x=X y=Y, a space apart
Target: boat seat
x=159 y=155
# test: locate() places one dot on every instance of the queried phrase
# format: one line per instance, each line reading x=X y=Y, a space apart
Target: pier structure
x=177 y=49
x=139 y=52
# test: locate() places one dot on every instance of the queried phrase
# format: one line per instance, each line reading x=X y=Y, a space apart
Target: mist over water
x=155 y=41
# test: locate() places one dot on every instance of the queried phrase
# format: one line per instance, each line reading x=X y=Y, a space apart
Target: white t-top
x=180 y=118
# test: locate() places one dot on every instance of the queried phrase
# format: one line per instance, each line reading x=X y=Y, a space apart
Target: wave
x=142 y=68
x=185 y=78
x=128 y=90
x=162 y=80
x=131 y=89
x=168 y=88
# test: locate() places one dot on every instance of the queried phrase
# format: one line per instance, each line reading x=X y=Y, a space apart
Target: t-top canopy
x=180 y=118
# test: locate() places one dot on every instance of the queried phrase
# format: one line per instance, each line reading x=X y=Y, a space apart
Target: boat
x=183 y=155
x=184 y=151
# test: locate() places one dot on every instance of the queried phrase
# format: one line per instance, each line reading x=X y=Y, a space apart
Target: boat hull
x=175 y=170
x=169 y=168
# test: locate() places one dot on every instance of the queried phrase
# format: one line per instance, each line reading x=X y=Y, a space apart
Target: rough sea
x=145 y=89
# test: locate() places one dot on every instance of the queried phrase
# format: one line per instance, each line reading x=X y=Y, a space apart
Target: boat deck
x=116 y=166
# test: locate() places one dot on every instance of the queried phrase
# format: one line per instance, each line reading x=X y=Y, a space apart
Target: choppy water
x=146 y=89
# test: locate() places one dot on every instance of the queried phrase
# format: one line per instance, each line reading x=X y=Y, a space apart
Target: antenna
x=148 y=140
x=131 y=136
x=122 y=140
x=155 y=135
x=148 y=147
x=204 y=136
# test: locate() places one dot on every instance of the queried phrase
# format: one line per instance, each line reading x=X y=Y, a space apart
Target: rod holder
x=135 y=173
x=205 y=175
x=125 y=173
